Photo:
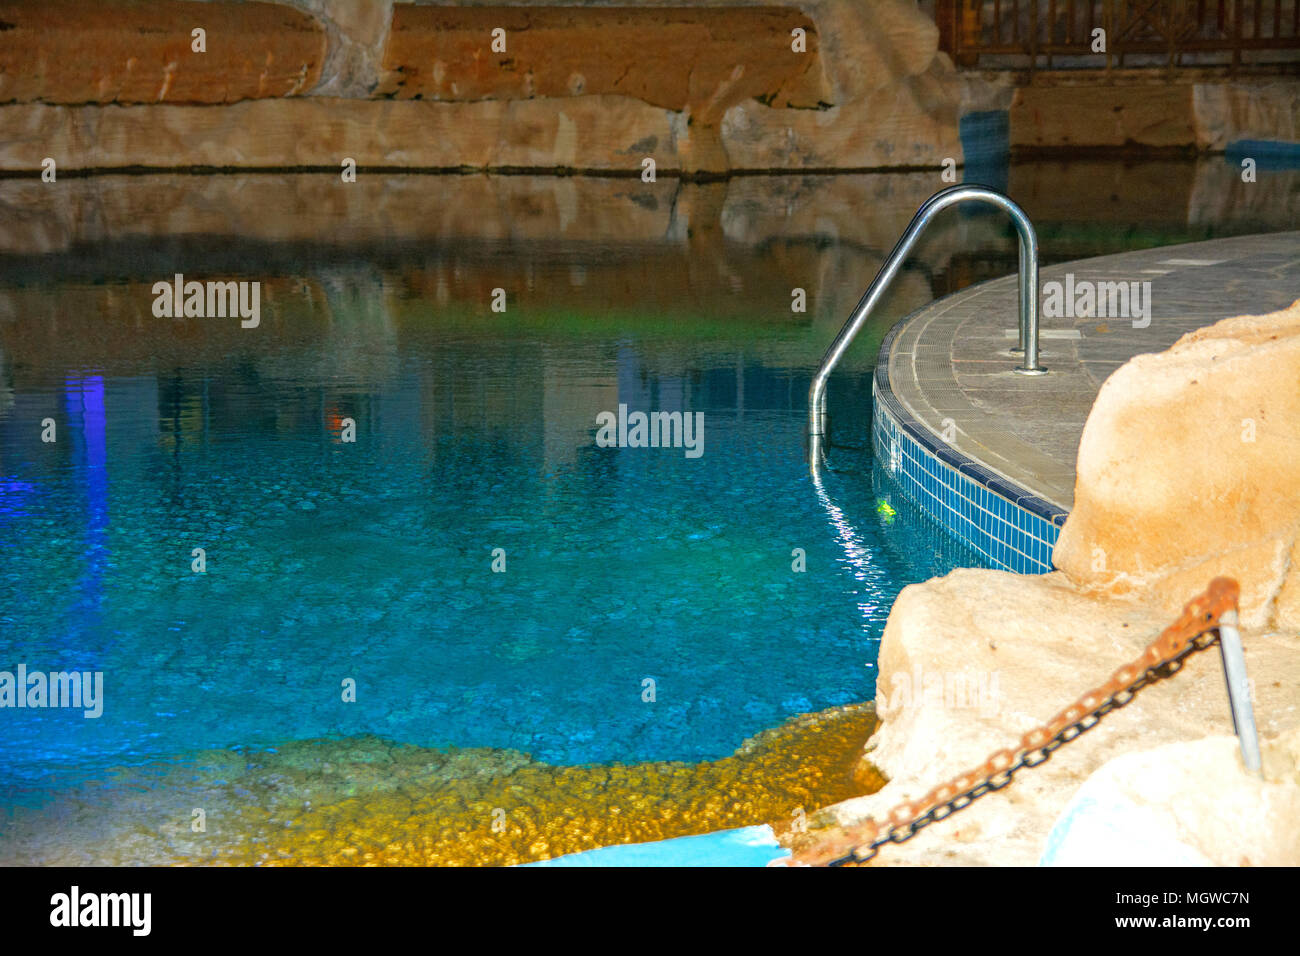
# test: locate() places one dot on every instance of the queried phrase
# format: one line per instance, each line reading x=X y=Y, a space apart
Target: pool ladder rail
x=929 y=209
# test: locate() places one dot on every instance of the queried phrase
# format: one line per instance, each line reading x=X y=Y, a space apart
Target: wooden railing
x=1062 y=34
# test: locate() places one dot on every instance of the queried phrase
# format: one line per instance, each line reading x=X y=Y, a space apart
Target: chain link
x=1195 y=630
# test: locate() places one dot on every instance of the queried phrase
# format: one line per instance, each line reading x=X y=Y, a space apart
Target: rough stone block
x=70 y=51
x=696 y=57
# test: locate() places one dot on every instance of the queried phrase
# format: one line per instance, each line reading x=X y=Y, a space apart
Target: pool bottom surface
x=369 y=801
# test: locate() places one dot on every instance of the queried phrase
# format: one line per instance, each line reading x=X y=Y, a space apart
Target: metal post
x=929 y=209
x=1234 y=672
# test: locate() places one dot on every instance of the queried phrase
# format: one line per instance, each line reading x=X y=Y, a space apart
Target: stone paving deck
x=952 y=360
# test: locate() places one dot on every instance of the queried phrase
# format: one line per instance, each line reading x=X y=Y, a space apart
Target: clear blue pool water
x=373 y=560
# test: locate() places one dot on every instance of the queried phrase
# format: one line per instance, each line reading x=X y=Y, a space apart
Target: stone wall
x=72 y=52
x=1153 y=111
x=701 y=87
x=705 y=88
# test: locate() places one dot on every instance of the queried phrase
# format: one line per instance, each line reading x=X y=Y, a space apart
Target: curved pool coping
x=1010 y=526
x=1001 y=476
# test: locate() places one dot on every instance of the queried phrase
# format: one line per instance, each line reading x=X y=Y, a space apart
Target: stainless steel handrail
x=932 y=206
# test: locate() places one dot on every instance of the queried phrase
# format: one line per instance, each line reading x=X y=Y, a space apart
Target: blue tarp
x=748 y=846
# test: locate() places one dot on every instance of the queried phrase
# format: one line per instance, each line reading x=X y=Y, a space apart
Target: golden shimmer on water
x=428 y=807
x=368 y=801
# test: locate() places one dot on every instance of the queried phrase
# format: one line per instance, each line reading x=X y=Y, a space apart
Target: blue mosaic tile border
x=1012 y=528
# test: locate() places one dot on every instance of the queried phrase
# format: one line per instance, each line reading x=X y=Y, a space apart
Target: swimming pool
x=475 y=571
x=373 y=560
x=327 y=562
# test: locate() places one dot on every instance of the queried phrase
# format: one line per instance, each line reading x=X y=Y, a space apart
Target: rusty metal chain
x=1194 y=631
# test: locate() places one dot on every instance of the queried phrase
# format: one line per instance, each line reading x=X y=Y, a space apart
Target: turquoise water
x=372 y=561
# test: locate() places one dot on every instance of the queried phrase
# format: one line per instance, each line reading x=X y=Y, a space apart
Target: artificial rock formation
x=72 y=52
x=1088 y=115
x=1152 y=111
x=702 y=59
x=972 y=661
x=695 y=61
x=591 y=132
x=1187 y=470
x=1185 y=804
x=895 y=98
x=700 y=88
x=1267 y=109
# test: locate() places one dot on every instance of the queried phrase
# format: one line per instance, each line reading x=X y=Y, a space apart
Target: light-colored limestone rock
x=895 y=97
x=1187 y=470
x=596 y=132
x=1028 y=646
x=1286 y=609
x=1263 y=109
x=356 y=34
x=1184 y=804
